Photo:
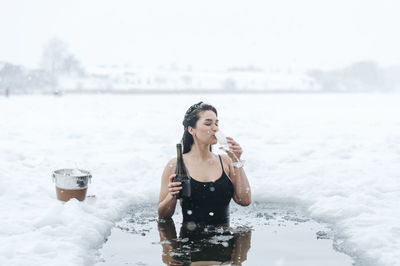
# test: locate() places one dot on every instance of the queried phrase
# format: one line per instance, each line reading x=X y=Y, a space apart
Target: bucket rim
x=59 y=172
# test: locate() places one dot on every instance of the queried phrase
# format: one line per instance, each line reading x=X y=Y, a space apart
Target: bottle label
x=186 y=191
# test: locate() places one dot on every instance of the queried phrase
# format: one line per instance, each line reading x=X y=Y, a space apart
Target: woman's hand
x=235 y=149
x=173 y=187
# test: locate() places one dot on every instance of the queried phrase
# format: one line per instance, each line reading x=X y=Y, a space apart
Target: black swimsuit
x=209 y=202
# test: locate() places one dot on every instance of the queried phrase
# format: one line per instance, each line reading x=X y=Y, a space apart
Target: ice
x=323 y=235
x=220 y=239
x=334 y=156
x=77 y=172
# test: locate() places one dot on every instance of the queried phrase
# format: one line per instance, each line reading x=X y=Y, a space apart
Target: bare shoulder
x=227 y=163
x=170 y=167
x=172 y=161
x=226 y=159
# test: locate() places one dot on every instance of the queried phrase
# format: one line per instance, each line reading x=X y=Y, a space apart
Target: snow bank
x=336 y=156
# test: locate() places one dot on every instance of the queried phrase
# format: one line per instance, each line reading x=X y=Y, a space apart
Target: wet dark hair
x=190 y=120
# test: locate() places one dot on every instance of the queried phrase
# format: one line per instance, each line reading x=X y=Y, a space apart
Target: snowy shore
x=334 y=155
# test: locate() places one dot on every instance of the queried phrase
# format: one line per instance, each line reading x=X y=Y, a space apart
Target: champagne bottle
x=182 y=175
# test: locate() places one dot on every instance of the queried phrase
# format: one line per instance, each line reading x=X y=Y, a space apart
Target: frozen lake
x=335 y=156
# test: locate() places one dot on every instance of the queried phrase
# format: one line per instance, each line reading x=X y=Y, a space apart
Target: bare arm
x=166 y=201
x=242 y=192
x=241 y=185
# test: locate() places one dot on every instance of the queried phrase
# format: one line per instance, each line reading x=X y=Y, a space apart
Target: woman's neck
x=201 y=152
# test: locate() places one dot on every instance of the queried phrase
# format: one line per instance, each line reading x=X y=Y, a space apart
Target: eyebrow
x=208 y=119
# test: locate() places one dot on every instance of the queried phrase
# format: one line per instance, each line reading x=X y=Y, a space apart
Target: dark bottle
x=182 y=175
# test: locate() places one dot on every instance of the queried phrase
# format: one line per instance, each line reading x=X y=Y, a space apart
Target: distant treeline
x=56 y=61
x=361 y=76
x=60 y=71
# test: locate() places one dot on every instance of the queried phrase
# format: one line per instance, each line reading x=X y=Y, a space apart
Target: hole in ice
x=281 y=222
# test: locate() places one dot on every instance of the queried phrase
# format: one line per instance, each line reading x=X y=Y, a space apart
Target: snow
x=334 y=155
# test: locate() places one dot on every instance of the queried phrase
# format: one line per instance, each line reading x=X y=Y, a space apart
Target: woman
x=214 y=178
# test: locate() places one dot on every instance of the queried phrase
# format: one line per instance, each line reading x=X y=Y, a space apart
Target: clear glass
x=226 y=146
x=222 y=140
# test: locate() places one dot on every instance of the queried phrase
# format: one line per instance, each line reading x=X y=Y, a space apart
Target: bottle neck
x=179 y=155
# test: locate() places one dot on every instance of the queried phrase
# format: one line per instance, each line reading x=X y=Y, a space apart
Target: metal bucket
x=71 y=183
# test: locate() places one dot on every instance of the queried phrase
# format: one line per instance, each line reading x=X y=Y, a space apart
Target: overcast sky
x=207 y=33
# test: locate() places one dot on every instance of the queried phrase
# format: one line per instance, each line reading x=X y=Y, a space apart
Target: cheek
x=204 y=129
x=206 y=132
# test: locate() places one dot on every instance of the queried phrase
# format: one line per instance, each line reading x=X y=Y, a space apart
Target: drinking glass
x=221 y=138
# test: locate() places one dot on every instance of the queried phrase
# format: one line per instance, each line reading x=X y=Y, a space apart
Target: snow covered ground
x=334 y=155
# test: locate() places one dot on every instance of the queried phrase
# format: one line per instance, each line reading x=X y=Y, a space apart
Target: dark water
x=262 y=234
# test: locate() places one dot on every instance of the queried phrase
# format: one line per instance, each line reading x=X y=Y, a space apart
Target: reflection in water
x=203 y=245
x=278 y=236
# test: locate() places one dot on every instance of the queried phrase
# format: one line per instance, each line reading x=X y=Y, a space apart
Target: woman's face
x=206 y=127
